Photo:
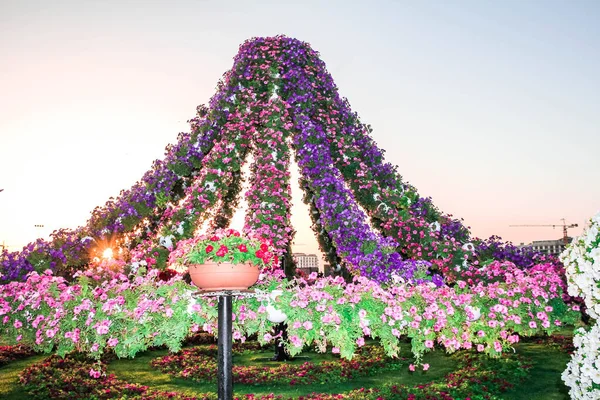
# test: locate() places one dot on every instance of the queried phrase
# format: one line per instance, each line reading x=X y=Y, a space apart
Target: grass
x=139 y=371
x=10 y=389
x=544 y=381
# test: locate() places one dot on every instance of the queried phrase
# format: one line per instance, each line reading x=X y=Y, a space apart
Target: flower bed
x=474 y=378
x=200 y=364
x=13 y=353
x=77 y=377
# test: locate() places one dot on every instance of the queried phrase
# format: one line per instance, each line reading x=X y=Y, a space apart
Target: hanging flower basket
x=223 y=276
x=225 y=260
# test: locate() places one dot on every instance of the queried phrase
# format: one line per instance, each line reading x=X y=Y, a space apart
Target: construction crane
x=564 y=226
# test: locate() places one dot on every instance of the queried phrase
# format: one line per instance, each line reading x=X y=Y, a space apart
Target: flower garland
x=582 y=262
x=269 y=195
x=362 y=249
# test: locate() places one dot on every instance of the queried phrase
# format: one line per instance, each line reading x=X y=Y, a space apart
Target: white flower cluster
x=582 y=263
x=583 y=371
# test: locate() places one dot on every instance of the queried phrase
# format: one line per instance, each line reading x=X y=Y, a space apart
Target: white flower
x=166 y=241
x=210 y=186
x=583 y=369
x=582 y=266
x=385 y=207
x=468 y=247
x=179 y=229
x=397 y=278
x=473 y=313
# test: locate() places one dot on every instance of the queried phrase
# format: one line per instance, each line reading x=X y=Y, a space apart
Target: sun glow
x=107 y=254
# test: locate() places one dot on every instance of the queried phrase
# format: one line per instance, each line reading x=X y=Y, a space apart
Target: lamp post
x=225 y=358
x=225 y=338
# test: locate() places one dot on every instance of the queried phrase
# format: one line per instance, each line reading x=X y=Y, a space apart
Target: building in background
x=306 y=263
x=552 y=247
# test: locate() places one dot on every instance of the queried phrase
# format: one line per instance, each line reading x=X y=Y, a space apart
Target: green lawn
x=10 y=389
x=544 y=382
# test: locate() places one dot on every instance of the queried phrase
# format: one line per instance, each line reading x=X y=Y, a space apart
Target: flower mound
x=582 y=261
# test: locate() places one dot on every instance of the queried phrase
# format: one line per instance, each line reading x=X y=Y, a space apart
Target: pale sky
x=490 y=107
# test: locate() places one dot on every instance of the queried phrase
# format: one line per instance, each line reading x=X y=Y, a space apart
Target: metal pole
x=225 y=360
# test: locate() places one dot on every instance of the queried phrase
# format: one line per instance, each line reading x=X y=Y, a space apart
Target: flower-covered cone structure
x=277 y=101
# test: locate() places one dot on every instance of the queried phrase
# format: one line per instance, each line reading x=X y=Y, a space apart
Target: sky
x=492 y=108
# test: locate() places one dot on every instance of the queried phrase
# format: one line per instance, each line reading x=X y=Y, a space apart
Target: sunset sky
x=492 y=108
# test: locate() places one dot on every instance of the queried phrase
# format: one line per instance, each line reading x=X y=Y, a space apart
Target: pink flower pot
x=223 y=276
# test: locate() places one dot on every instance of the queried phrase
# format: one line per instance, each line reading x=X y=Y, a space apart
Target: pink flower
x=532 y=324
x=95 y=374
x=296 y=341
x=425 y=367
x=411 y=367
x=18 y=324
x=542 y=316
x=429 y=344
x=546 y=324
x=307 y=325
x=112 y=342
x=480 y=347
x=360 y=342
x=335 y=350
x=102 y=327
x=94 y=347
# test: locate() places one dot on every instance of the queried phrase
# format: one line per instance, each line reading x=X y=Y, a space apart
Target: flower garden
x=416 y=308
